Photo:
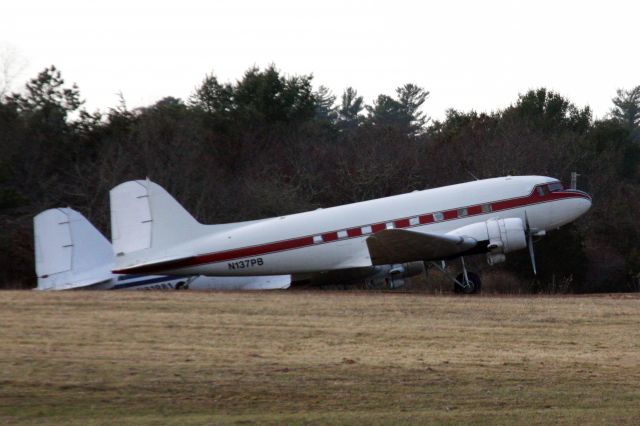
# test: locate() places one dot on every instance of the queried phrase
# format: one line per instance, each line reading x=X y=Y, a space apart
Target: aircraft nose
x=583 y=205
x=570 y=209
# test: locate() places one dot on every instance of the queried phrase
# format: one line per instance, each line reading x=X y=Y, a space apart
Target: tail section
x=147 y=224
x=70 y=252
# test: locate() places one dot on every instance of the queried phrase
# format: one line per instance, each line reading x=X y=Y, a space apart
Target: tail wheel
x=473 y=285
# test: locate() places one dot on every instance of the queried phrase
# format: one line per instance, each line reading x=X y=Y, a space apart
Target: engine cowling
x=502 y=236
x=393 y=276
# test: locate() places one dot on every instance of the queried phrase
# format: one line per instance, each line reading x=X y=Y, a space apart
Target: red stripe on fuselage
x=354 y=232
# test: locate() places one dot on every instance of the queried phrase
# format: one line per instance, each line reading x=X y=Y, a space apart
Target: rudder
x=70 y=252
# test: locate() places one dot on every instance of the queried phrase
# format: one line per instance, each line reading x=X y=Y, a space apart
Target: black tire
x=474 y=281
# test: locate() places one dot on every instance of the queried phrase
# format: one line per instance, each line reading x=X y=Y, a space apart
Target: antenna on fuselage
x=472 y=175
x=574 y=180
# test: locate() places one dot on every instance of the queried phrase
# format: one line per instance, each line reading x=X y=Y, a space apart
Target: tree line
x=272 y=144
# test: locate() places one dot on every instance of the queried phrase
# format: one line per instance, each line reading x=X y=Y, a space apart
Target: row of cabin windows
x=437 y=217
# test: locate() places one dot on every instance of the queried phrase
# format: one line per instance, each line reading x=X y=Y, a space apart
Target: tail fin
x=70 y=252
x=147 y=222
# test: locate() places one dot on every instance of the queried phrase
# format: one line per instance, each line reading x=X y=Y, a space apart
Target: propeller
x=529 y=233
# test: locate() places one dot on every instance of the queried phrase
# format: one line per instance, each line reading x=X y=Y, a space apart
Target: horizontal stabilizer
x=62 y=283
x=155 y=266
x=398 y=245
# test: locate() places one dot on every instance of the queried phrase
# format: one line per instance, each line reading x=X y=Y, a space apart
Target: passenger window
x=462 y=212
x=486 y=208
x=414 y=221
x=342 y=234
x=389 y=225
x=438 y=216
x=366 y=229
x=317 y=239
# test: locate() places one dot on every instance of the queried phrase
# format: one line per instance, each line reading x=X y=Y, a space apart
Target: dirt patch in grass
x=316 y=357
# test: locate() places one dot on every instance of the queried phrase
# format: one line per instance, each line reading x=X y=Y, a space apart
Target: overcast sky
x=469 y=54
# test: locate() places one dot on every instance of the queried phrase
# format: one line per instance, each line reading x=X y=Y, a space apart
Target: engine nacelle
x=502 y=236
x=506 y=235
x=393 y=276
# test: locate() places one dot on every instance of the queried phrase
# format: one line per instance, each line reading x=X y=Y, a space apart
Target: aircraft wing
x=399 y=245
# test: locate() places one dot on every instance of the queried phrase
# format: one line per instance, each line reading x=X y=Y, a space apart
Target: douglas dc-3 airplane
x=154 y=234
x=72 y=254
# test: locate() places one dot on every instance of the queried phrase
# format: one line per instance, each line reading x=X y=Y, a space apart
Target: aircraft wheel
x=181 y=285
x=474 y=284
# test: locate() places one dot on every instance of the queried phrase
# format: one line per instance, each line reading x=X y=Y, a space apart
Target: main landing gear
x=470 y=285
x=466 y=282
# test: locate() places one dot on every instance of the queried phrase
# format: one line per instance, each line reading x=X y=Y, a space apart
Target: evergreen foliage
x=269 y=144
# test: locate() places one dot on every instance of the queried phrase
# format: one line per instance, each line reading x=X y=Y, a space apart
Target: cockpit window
x=555 y=186
x=542 y=190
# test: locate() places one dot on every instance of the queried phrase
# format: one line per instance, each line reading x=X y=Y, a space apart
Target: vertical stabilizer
x=147 y=222
x=70 y=252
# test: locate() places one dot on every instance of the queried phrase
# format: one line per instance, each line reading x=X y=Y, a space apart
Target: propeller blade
x=531 y=253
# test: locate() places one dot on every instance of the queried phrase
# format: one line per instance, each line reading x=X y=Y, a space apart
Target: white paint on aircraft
x=491 y=215
x=72 y=254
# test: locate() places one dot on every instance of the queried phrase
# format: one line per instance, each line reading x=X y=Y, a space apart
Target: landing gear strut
x=465 y=282
x=473 y=283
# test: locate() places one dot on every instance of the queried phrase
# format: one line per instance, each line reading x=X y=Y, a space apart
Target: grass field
x=316 y=358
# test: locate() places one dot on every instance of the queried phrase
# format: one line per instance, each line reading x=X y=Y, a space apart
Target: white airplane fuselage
x=335 y=238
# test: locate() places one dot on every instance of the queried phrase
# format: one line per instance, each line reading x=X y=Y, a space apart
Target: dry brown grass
x=316 y=358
